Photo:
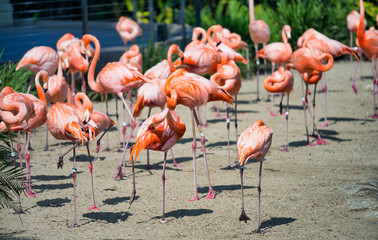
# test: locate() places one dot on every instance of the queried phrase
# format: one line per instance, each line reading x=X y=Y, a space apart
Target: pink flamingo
x=353 y=20
x=37 y=59
x=192 y=90
x=133 y=57
x=306 y=61
x=253 y=143
x=259 y=32
x=277 y=53
x=281 y=81
x=152 y=95
x=159 y=133
x=368 y=41
x=228 y=78
x=128 y=29
x=116 y=78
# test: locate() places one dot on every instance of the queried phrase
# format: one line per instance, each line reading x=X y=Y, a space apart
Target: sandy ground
x=319 y=192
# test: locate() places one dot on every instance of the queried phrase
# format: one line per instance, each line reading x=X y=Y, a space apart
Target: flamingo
x=353 y=20
x=228 y=78
x=259 y=32
x=64 y=124
x=152 y=95
x=37 y=59
x=128 y=29
x=234 y=41
x=277 y=53
x=159 y=133
x=116 y=78
x=368 y=41
x=75 y=62
x=253 y=143
x=192 y=90
x=133 y=57
x=305 y=61
x=40 y=109
x=281 y=81
x=15 y=108
x=56 y=90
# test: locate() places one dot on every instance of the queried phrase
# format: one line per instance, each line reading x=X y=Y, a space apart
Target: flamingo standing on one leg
x=159 y=133
x=128 y=29
x=253 y=143
x=152 y=95
x=192 y=90
x=228 y=78
x=277 y=53
x=15 y=108
x=116 y=78
x=281 y=81
x=305 y=61
x=368 y=41
x=37 y=59
x=64 y=124
x=259 y=32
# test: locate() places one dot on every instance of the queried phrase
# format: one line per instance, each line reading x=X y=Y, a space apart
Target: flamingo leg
x=351 y=46
x=122 y=162
x=148 y=166
x=174 y=161
x=74 y=175
x=360 y=57
x=47 y=140
x=264 y=44
x=228 y=138
x=236 y=123
x=243 y=216
x=258 y=230
x=29 y=192
x=373 y=66
x=91 y=171
x=107 y=149
x=19 y=155
x=287 y=125
x=60 y=161
x=353 y=85
x=313 y=110
x=83 y=83
x=163 y=180
x=134 y=189
x=118 y=135
x=194 y=146
x=304 y=101
x=257 y=73
x=325 y=124
x=73 y=87
x=271 y=97
x=217 y=107
x=99 y=140
x=203 y=140
x=248 y=67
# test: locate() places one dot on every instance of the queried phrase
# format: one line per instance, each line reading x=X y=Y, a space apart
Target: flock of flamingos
x=167 y=85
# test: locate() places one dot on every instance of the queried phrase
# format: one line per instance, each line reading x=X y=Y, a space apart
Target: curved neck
x=360 y=29
x=6 y=110
x=173 y=49
x=166 y=114
x=91 y=82
x=319 y=59
x=251 y=12
x=83 y=103
x=41 y=93
x=199 y=31
x=283 y=34
x=134 y=50
x=232 y=43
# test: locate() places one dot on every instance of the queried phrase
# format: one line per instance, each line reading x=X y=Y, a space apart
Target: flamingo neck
x=91 y=82
x=251 y=12
x=361 y=29
x=41 y=93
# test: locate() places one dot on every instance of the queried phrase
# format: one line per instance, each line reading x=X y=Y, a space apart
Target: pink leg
x=353 y=85
x=60 y=161
x=325 y=124
x=134 y=189
x=174 y=161
x=99 y=140
x=118 y=135
x=271 y=95
x=287 y=126
x=91 y=170
x=122 y=162
x=163 y=180
x=243 y=216
x=47 y=139
x=258 y=230
x=360 y=55
x=194 y=146
x=29 y=191
x=228 y=140
x=83 y=83
x=373 y=66
x=203 y=140
x=148 y=166
x=74 y=174
x=304 y=102
x=257 y=73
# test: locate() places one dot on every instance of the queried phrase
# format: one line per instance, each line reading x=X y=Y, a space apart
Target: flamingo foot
x=375 y=116
x=73 y=225
x=243 y=217
x=321 y=141
x=284 y=149
x=273 y=114
x=106 y=150
x=20 y=211
x=217 y=115
x=177 y=165
x=194 y=199
x=119 y=175
x=323 y=125
x=354 y=88
x=204 y=125
x=119 y=150
x=163 y=220
x=46 y=149
x=94 y=207
x=132 y=197
x=150 y=167
x=213 y=108
x=259 y=231
x=211 y=194
x=227 y=168
x=31 y=194
x=313 y=135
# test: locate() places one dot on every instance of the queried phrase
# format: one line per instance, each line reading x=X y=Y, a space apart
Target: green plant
x=18 y=80
x=10 y=180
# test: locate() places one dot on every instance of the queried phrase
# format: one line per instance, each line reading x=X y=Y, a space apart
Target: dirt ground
x=319 y=192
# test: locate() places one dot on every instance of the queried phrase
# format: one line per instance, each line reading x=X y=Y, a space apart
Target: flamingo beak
x=82 y=48
x=288 y=35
